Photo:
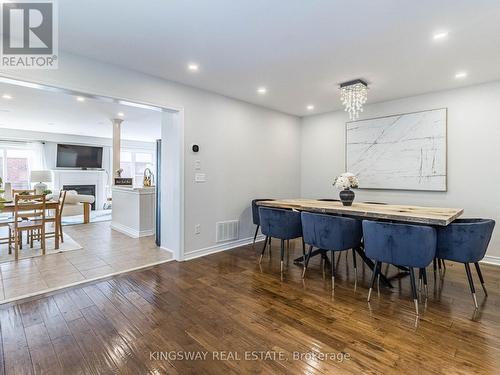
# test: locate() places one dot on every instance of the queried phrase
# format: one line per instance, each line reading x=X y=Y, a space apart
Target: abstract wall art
x=403 y=152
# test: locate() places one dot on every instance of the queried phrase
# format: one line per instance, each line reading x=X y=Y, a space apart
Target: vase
x=347 y=197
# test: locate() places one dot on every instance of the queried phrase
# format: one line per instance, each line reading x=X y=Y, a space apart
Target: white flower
x=345 y=181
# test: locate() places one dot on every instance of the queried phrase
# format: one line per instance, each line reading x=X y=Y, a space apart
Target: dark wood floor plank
x=226 y=302
x=67 y=307
x=15 y=347
x=43 y=356
x=97 y=358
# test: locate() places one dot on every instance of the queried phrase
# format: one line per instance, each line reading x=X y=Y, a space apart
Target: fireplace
x=83 y=190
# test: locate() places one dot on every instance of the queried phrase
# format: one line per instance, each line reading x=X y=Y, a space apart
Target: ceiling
x=56 y=112
x=299 y=50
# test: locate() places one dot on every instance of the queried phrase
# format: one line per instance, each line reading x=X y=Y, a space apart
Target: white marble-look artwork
x=406 y=152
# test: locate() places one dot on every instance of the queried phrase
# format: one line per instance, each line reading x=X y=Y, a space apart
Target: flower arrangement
x=346 y=181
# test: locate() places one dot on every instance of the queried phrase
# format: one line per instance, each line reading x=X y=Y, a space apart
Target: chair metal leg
x=480 y=274
x=255 y=235
x=374 y=276
x=424 y=277
x=471 y=284
x=263 y=250
x=332 y=266
x=282 y=264
x=303 y=249
x=413 y=289
x=354 y=265
x=306 y=263
x=434 y=265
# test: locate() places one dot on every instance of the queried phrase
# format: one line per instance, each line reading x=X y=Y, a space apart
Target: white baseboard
x=489 y=259
x=131 y=232
x=222 y=247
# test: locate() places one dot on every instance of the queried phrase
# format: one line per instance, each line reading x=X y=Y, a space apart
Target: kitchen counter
x=133 y=210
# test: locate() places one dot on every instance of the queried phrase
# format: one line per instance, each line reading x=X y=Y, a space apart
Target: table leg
x=370 y=264
x=86 y=213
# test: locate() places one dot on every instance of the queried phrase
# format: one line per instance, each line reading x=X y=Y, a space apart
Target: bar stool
x=333 y=233
x=281 y=224
x=412 y=246
x=466 y=241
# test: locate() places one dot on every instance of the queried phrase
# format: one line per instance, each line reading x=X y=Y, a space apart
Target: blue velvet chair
x=255 y=215
x=412 y=246
x=333 y=233
x=281 y=224
x=466 y=241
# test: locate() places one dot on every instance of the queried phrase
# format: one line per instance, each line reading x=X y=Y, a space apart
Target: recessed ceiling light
x=120 y=114
x=310 y=107
x=461 y=75
x=440 y=35
x=6 y=96
x=80 y=98
x=262 y=90
x=193 y=67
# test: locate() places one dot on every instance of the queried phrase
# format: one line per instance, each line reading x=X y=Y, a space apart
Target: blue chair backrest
x=400 y=244
x=278 y=223
x=465 y=240
x=331 y=232
x=255 y=210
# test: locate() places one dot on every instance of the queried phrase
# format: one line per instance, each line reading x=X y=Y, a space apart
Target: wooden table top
x=9 y=206
x=403 y=213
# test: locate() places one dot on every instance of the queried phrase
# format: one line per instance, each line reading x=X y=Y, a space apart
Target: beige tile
x=62 y=280
x=22 y=280
x=24 y=289
x=55 y=271
x=47 y=263
x=89 y=263
x=18 y=272
x=98 y=272
x=23 y=263
x=104 y=252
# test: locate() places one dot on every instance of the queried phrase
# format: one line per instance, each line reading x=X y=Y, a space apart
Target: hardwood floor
x=224 y=307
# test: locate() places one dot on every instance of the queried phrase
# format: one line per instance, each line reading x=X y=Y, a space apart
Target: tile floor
x=104 y=252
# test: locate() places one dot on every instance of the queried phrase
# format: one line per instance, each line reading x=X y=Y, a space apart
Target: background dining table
x=49 y=205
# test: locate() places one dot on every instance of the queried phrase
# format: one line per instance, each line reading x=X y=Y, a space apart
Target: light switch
x=200 y=177
x=197 y=165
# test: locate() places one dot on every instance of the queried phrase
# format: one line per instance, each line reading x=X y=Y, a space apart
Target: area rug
x=95 y=217
x=69 y=244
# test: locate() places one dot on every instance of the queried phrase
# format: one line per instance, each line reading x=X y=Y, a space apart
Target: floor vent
x=227 y=230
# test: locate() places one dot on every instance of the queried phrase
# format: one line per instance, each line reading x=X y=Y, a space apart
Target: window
x=15 y=166
x=134 y=163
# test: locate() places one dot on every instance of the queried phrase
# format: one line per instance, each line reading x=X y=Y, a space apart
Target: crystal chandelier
x=353 y=95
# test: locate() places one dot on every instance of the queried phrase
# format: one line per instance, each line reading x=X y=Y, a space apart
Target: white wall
x=247 y=151
x=473 y=153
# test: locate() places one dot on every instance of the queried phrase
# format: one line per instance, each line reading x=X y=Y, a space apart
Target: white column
x=116 y=146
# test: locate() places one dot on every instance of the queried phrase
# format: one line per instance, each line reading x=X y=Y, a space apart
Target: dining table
x=434 y=216
x=9 y=207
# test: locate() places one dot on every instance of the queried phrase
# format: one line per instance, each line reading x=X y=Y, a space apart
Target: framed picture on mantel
x=401 y=152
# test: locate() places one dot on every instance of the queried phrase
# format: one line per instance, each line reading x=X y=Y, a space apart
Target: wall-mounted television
x=81 y=157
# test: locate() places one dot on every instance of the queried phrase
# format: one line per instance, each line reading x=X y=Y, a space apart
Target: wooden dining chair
x=29 y=215
x=35 y=234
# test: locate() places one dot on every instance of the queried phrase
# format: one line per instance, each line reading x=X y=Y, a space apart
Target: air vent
x=227 y=230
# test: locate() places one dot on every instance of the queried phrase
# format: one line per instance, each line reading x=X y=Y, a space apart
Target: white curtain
x=39 y=161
